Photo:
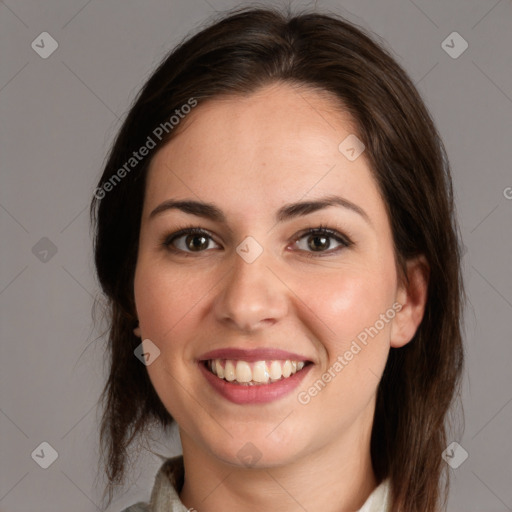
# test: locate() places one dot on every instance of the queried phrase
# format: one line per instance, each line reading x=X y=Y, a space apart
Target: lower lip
x=257 y=394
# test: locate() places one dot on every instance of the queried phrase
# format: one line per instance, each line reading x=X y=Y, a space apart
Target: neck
x=333 y=479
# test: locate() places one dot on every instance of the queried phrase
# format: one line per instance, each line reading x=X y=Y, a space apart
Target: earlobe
x=137 y=332
x=413 y=297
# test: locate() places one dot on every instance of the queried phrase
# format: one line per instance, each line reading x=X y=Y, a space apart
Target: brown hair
x=238 y=54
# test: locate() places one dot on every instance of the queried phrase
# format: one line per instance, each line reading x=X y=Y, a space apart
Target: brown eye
x=321 y=240
x=318 y=242
x=196 y=242
x=189 y=240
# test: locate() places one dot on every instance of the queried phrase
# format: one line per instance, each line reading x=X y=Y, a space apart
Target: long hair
x=236 y=55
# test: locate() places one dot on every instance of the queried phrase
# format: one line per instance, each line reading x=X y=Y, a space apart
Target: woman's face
x=252 y=289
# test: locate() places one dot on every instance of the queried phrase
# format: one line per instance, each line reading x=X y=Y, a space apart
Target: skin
x=249 y=156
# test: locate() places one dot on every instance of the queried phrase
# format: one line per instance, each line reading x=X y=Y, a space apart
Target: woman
x=275 y=235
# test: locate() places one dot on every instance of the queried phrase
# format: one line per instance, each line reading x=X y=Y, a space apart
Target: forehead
x=276 y=145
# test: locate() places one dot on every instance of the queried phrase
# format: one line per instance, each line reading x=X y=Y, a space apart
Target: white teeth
x=229 y=371
x=287 y=369
x=219 y=370
x=243 y=372
x=275 y=370
x=259 y=372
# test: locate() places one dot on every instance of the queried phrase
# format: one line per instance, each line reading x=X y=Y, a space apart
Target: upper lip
x=251 y=355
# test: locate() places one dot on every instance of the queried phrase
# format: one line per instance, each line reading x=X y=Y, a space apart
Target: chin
x=256 y=450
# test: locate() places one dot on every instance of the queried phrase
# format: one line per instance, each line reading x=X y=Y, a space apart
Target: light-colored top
x=170 y=477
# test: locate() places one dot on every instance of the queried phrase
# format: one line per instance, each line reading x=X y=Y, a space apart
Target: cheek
x=167 y=305
x=164 y=301
x=349 y=326
x=349 y=302
x=348 y=306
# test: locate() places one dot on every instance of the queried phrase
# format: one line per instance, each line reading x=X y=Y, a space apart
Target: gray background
x=59 y=116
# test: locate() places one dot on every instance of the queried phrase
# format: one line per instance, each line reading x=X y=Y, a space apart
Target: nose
x=251 y=296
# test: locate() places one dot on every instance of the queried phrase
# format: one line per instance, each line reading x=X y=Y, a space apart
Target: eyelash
x=321 y=230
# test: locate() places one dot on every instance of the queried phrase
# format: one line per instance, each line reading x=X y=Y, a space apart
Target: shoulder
x=165 y=493
x=138 y=507
x=380 y=499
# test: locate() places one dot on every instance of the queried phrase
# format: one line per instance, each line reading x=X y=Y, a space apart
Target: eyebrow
x=285 y=213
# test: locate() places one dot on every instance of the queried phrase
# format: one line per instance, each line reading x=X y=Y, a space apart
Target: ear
x=137 y=332
x=413 y=297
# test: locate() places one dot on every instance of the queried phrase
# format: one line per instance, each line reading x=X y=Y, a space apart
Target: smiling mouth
x=255 y=373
